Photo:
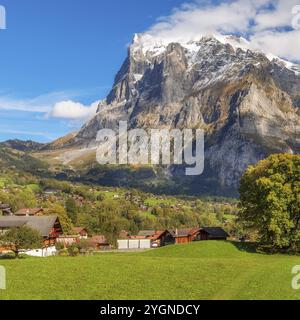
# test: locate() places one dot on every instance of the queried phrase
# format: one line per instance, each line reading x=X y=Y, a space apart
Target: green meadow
x=201 y=270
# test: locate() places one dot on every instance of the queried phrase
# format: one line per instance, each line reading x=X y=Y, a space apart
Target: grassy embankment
x=202 y=270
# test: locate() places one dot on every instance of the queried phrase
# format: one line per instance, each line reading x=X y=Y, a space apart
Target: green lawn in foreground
x=201 y=270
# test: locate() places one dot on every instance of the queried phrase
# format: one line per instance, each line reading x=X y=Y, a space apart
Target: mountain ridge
x=247 y=103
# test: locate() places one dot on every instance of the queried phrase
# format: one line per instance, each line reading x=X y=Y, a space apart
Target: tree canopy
x=270 y=201
x=22 y=238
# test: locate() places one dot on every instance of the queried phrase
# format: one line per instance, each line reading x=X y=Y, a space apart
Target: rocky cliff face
x=247 y=102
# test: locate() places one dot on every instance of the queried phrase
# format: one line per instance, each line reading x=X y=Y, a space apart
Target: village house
x=186 y=235
x=158 y=238
x=50 y=191
x=99 y=242
x=81 y=232
x=49 y=227
x=213 y=233
x=67 y=240
x=78 y=234
x=29 y=212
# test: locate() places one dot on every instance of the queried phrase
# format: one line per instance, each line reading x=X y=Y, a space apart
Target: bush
x=59 y=246
x=63 y=253
x=73 y=250
x=84 y=244
x=8 y=256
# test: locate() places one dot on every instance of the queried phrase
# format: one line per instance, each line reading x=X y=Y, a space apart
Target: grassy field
x=202 y=270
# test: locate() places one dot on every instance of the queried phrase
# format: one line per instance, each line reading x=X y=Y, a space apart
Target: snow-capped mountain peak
x=151 y=46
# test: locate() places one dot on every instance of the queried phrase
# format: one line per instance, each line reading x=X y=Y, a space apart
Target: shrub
x=63 y=253
x=59 y=246
x=73 y=250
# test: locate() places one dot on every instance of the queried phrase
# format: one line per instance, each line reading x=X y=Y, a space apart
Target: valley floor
x=201 y=270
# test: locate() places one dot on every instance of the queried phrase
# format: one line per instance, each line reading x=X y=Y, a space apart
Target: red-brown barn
x=186 y=235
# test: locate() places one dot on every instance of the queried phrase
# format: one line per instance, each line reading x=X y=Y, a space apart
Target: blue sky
x=71 y=48
x=54 y=51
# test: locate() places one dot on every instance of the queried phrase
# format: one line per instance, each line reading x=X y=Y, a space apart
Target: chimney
x=176 y=232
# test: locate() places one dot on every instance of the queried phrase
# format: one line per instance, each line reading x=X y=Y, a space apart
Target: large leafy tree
x=22 y=238
x=56 y=209
x=71 y=209
x=270 y=201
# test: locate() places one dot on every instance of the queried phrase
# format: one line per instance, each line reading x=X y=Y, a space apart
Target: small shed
x=213 y=233
x=99 y=242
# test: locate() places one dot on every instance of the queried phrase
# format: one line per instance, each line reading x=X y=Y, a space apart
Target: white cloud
x=55 y=105
x=266 y=23
x=42 y=103
x=283 y=44
x=73 y=110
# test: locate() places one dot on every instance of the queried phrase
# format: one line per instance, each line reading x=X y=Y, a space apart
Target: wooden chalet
x=158 y=238
x=186 y=235
x=48 y=226
x=162 y=238
x=213 y=233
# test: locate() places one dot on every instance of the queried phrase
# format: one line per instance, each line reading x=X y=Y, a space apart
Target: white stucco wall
x=46 y=252
x=134 y=244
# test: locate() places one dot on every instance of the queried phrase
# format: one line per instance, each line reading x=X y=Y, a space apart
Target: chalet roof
x=79 y=229
x=28 y=211
x=42 y=224
x=184 y=232
x=216 y=232
x=146 y=233
x=158 y=234
x=11 y=223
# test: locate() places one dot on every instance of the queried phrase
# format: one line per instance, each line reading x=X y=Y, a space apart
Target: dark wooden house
x=158 y=238
x=162 y=238
x=213 y=233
